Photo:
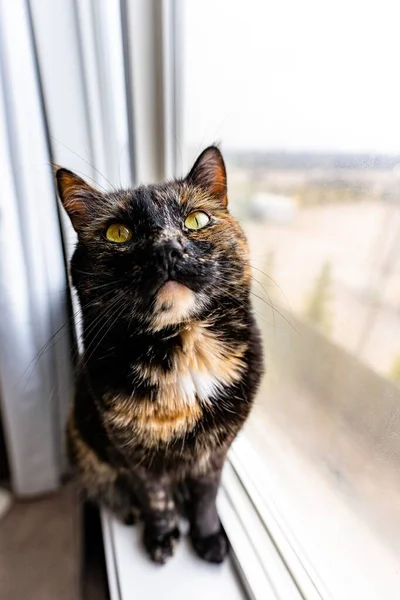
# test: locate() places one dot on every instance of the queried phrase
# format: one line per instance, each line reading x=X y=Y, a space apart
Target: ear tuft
x=209 y=173
x=75 y=195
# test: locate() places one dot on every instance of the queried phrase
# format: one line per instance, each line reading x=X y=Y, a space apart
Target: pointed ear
x=209 y=173
x=76 y=196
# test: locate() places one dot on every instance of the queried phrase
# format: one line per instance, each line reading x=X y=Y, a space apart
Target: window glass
x=304 y=98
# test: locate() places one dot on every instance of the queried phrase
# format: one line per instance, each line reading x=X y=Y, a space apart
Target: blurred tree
x=394 y=372
x=317 y=310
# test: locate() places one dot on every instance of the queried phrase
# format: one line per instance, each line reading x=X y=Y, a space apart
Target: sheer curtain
x=35 y=374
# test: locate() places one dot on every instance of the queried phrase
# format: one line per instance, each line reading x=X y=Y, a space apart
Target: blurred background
x=303 y=98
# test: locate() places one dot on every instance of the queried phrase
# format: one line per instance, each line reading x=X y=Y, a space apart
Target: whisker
x=84 y=160
x=222 y=279
x=120 y=303
x=269 y=299
x=274 y=282
x=276 y=310
x=53 y=340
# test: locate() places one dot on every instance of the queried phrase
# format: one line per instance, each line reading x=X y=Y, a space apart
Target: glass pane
x=305 y=98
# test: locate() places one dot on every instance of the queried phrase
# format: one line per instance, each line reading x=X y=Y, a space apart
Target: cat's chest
x=200 y=365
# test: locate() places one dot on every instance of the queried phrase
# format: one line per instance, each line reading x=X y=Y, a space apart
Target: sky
x=317 y=75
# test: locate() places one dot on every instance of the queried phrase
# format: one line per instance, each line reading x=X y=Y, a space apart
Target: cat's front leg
x=160 y=516
x=206 y=532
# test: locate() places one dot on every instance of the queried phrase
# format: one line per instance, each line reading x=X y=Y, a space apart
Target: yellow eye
x=118 y=233
x=197 y=220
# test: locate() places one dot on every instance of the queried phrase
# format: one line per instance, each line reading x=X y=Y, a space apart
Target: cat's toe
x=160 y=547
x=133 y=517
x=212 y=548
x=130 y=520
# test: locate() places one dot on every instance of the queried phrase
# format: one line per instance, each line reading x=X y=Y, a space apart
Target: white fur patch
x=197 y=383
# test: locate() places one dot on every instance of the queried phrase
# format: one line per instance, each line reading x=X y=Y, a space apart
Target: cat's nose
x=170 y=252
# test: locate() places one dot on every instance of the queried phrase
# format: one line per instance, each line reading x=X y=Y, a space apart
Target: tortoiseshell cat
x=172 y=356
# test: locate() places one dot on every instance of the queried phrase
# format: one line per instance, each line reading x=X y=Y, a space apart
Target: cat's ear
x=209 y=173
x=76 y=195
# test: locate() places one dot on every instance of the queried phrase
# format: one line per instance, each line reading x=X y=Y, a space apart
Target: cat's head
x=160 y=254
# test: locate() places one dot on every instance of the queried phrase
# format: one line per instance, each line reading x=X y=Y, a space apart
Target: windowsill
x=132 y=575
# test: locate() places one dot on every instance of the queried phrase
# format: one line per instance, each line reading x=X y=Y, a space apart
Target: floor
x=39 y=549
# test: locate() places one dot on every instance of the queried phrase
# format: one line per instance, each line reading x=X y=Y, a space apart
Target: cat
x=172 y=354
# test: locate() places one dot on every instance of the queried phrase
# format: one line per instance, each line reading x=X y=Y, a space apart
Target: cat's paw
x=212 y=548
x=160 y=546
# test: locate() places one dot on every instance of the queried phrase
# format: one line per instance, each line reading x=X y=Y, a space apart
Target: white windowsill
x=132 y=576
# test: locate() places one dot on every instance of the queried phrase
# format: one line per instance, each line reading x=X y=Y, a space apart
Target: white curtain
x=35 y=378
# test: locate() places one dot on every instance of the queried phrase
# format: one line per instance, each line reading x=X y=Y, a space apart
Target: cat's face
x=168 y=252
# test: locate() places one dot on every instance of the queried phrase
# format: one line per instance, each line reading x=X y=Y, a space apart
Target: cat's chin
x=171 y=289
x=174 y=303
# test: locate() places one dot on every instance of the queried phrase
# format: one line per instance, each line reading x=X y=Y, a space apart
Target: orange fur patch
x=154 y=423
x=94 y=473
x=73 y=190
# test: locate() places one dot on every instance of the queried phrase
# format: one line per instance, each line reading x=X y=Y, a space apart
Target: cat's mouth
x=174 y=303
x=172 y=292
x=171 y=283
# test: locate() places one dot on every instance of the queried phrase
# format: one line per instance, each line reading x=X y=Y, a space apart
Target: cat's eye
x=118 y=233
x=197 y=220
